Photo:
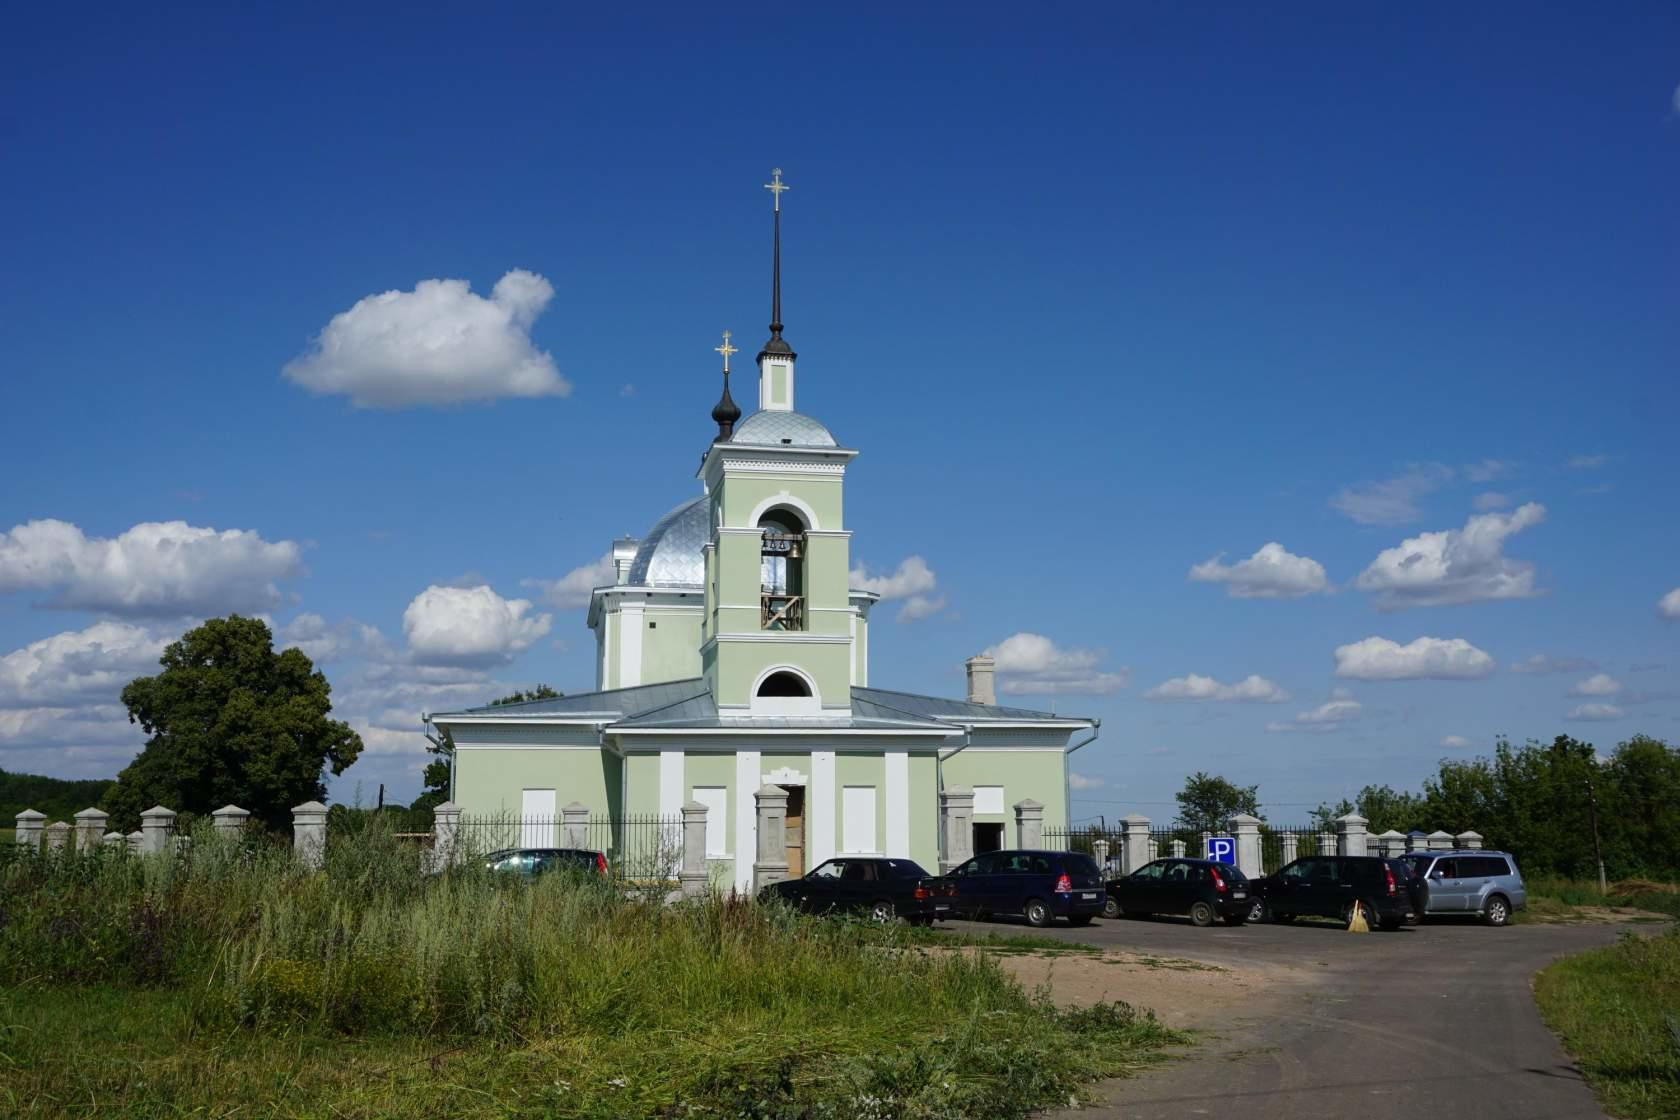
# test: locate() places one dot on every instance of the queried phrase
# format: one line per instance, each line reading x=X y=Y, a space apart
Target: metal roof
x=769 y=428
x=672 y=554
x=917 y=706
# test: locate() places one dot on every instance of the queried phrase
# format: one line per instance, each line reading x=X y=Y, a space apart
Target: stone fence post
x=58 y=834
x=136 y=842
x=90 y=826
x=1290 y=842
x=30 y=826
x=956 y=816
x=114 y=840
x=1326 y=843
x=1099 y=852
x=1205 y=849
x=1351 y=835
x=1247 y=830
x=1471 y=840
x=691 y=879
x=771 y=865
x=1176 y=847
x=230 y=820
x=1134 y=851
x=309 y=834
x=155 y=826
x=574 y=826
x=1439 y=841
x=1151 y=849
x=1390 y=843
x=446 y=835
x=1029 y=824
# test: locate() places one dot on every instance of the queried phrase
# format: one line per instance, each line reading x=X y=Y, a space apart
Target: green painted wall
x=1038 y=774
x=641 y=782
x=714 y=770
x=490 y=782
x=860 y=768
x=740 y=663
x=743 y=493
x=610 y=677
x=670 y=645
x=924 y=810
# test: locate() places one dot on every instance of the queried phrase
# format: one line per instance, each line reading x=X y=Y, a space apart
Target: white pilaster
x=746 y=817
x=898 y=803
x=819 y=808
x=630 y=626
x=671 y=794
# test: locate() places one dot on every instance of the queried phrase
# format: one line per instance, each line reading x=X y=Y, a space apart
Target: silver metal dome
x=672 y=555
x=782 y=429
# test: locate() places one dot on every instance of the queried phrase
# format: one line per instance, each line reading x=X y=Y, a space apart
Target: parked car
x=1483 y=883
x=1205 y=890
x=885 y=889
x=1038 y=885
x=531 y=862
x=1328 y=886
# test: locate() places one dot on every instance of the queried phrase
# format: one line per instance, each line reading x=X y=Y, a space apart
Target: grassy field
x=1554 y=899
x=235 y=983
x=1618 y=1011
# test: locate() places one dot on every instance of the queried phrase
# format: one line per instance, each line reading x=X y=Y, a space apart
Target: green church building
x=732 y=655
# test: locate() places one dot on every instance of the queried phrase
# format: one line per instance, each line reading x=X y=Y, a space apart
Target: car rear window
x=906 y=869
x=1079 y=865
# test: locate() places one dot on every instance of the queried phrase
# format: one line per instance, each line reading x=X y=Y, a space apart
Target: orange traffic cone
x=1357 y=923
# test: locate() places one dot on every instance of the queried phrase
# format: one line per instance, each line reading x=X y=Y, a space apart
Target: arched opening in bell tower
x=782 y=570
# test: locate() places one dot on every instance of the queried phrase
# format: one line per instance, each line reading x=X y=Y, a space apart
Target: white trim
x=791 y=637
x=746 y=817
x=819 y=808
x=785 y=499
x=527 y=747
x=784 y=776
x=670 y=783
x=898 y=803
x=846 y=732
x=810 y=705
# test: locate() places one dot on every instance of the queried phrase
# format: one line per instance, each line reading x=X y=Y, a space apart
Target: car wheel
x=1038 y=914
x=1258 y=912
x=1498 y=911
x=1201 y=914
x=1111 y=907
x=882 y=911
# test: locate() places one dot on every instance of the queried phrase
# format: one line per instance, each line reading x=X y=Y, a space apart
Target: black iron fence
x=1277 y=845
x=637 y=848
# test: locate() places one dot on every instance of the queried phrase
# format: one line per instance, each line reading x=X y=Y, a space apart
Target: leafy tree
x=1207 y=802
x=231 y=721
x=58 y=798
x=442 y=749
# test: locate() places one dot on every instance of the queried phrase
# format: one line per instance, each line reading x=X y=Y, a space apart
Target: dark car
x=1203 y=889
x=1328 y=886
x=1039 y=886
x=537 y=861
x=885 y=889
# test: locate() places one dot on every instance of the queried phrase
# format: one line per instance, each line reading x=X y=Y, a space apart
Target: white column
x=1247 y=829
x=747 y=781
x=819 y=809
x=1134 y=845
x=671 y=793
x=630 y=626
x=898 y=803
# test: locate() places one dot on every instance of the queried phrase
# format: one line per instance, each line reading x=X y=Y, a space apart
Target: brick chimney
x=981 y=668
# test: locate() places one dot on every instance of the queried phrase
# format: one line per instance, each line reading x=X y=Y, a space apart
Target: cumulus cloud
x=1669 y=605
x=1455 y=743
x=469 y=626
x=1033 y=664
x=1273 y=572
x=1544 y=663
x=1252 y=689
x=439 y=344
x=913 y=582
x=1599 y=684
x=322 y=642
x=1593 y=713
x=1455 y=566
x=1391 y=501
x=1077 y=782
x=78 y=667
x=1491 y=500
x=573 y=589
x=157 y=568
x=1329 y=716
x=1379 y=659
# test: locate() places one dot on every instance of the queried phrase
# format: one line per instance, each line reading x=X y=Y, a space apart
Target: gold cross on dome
x=775 y=186
x=726 y=350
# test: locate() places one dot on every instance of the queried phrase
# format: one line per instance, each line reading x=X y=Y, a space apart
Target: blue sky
x=1100 y=294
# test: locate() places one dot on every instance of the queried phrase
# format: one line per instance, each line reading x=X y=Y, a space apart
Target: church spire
x=776 y=345
x=726 y=411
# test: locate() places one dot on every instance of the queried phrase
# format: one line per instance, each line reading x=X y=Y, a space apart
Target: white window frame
x=860 y=818
x=988 y=799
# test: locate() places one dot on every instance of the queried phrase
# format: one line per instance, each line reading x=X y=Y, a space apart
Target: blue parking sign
x=1222 y=849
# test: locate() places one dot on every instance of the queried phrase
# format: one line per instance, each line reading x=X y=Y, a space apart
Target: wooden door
x=795 y=831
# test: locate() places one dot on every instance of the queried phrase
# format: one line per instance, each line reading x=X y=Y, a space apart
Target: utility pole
x=1598 y=850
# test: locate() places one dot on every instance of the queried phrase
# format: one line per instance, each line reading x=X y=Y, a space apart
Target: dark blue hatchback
x=1039 y=886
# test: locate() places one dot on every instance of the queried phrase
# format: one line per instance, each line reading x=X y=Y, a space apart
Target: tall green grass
x=1641 y=894
x=716 y=1007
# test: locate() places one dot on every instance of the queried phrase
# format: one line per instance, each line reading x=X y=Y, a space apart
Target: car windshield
x=906 y=869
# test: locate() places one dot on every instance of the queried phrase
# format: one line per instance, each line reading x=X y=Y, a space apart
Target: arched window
x=784 y=683
x=782 y=571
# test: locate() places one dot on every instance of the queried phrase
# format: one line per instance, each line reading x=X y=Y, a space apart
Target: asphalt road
x=1436 y=1021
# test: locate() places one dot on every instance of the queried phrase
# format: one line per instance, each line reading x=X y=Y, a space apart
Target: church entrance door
x=795 y=831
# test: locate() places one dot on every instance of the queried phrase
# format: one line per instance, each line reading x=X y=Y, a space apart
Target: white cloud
x=1379 y=659
x=1392 y=501
x=1543 y=663
x=1252 y=689
x=469 y=626
x=1586 y=462
x=1669 y=605
x=1329 y=716
x=1599 y=684
x=1489 y=469
x=1273 y=572
x=157 y=568
x=913 y=582
x=1033 y=664
x=1078 y=782
x=1490 y=501
x=1593 y=713
x=321 y=642
x=1456 y=743
x=439 y=344
x=79 y=666
x=378 y=739
x=573 y=588
x=1455 y=566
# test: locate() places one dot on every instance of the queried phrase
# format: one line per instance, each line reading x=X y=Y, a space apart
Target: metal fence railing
x=1278 y=845
x=637 y=848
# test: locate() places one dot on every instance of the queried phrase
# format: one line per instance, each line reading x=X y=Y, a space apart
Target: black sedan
x=884 y=889
x=528 y=862
x=1204 y=890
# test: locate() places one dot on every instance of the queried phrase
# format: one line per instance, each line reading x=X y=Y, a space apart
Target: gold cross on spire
x=726 y=350
x=775 y=186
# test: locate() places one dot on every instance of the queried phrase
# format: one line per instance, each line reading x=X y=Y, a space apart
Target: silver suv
x=1486 y=884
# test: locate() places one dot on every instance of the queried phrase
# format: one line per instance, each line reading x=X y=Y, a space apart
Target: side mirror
x=1437 y=874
